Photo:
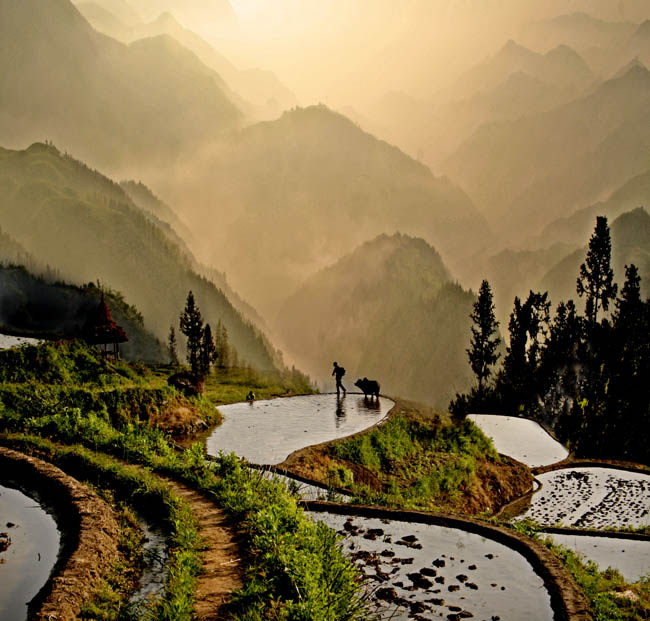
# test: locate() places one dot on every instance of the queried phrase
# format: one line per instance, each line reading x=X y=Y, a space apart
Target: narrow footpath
x=221 y=572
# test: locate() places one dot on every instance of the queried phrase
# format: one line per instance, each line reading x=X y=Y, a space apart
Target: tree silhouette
x=191 y=324
x=596 y=279
x=172 y=346
x=484 y=342
x=208 y=350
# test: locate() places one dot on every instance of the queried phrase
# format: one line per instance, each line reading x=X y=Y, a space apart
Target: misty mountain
x=86 y=227
x=388 y=311
x=121 y=10
x=580 y=30
x=257 y=92
x=150 y=102
x=102 y=20
x=561 y=67
x=560 y=160
x=31 y=304
x=577 y=227
x=282 y=199
x=630 y=234
x=11 y=252
x=162 y=213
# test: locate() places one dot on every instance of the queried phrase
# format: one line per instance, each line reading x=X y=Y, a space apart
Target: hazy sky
x=342 y=51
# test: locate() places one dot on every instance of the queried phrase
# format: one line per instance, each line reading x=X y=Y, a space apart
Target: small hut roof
x=100 y=327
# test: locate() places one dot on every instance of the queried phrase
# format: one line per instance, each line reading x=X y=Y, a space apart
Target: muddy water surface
x=267 y=432
x=432 y=571
x=592 y=498
x=520 y=438
x=7 y=341
x=26 y=564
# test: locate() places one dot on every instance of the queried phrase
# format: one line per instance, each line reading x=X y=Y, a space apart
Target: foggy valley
x=354 y=180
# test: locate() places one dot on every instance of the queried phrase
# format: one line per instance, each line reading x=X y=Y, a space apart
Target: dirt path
x=222 y=565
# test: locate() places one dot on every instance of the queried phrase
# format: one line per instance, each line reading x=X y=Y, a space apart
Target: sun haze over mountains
x=294 y=161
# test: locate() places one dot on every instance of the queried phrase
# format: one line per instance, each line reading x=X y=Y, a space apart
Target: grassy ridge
x=294 y=567
x=152 y=497
x=424 y=463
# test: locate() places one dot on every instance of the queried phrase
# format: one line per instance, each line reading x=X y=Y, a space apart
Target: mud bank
x=89 y=535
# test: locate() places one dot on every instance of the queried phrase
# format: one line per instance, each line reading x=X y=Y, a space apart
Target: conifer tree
x=596 y=279
x=208 y=351
x=484 y=342
x=222 y=347
x=191 y=324
x=172 y=346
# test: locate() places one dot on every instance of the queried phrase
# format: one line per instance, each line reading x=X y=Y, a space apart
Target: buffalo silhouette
x=369 y=387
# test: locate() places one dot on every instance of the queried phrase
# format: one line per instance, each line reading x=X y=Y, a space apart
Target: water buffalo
x=369 y=387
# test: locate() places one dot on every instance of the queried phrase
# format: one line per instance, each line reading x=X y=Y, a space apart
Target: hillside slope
x=387 y=311
x=153 y=95
x=282 y=199
x=86 y=227
x=30 y=304
x=561 y=160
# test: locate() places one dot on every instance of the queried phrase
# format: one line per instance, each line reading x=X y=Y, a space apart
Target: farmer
x=338 y=373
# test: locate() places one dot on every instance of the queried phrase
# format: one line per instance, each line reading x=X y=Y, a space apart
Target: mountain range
x=63 y=81
x=279 y=200
x=388 y=311
x=257 y=92
x=83 y=225
x=553 y=163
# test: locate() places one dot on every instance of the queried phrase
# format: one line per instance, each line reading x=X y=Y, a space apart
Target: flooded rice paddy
x=592 y=498
x=631 y=557
x=7 y=341
x=32 y=546
x=154 y=573
x=520 y=438
x=425 y=571
x=267 y=432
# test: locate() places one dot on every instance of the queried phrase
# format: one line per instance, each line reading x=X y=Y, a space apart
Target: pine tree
x=222 y=347
x=484 y=342
x=596 y=279
x=191 y=324
x=172 y=346
x=208 y=351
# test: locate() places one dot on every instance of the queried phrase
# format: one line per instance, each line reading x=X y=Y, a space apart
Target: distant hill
x=630 y=234
x=560 y=67
x=64 y=81
x=258 y=87
x=577 y=227
x=388 y=311
x=35 y=305
x=578 y=29
x=86 y=227
x=560 y=160
x=290 y=196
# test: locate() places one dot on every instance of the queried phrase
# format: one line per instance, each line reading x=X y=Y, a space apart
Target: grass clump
x=413 y=462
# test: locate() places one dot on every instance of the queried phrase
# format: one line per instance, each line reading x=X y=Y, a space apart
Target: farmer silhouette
x=338 y=373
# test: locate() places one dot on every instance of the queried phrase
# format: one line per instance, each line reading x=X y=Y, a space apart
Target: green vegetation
x=84 y=227
x=152 y=497
x=611 y=598
x=414 y=463
x=73 y=380
x=294 y=568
